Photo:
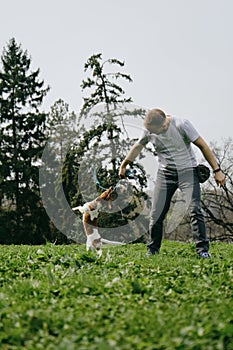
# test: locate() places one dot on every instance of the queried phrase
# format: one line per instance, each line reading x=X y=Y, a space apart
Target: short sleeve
x=144 y=137
x=189 y=131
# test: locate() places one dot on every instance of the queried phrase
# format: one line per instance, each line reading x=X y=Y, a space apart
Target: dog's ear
x=105 y=194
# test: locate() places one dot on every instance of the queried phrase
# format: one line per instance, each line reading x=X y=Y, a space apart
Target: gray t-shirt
x=174 y=146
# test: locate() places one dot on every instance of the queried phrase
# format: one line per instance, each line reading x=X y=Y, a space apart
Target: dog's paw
x=99 y=253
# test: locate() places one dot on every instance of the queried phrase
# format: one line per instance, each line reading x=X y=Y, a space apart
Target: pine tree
x=61 y=124
x=22 y=139
x=103 y=145
x=106 y=91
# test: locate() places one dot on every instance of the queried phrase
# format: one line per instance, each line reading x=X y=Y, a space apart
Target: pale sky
x=179 y=53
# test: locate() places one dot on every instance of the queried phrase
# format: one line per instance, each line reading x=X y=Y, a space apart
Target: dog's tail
x=106 y=241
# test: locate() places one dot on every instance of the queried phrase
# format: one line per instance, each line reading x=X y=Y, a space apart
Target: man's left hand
x=220 y=178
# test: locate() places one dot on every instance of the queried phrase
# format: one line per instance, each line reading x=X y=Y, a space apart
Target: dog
x=90 y=212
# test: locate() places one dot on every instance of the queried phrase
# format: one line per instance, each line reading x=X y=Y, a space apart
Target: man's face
x=158 y=129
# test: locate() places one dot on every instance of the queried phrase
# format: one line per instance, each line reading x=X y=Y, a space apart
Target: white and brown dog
x=90 y=213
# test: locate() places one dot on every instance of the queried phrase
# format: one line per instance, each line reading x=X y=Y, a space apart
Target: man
x=172 y=138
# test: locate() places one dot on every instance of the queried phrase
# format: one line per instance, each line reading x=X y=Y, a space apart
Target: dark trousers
x=167 y=182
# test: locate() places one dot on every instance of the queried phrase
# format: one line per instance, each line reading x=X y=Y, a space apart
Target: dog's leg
x=94 y=242
x=93 y=237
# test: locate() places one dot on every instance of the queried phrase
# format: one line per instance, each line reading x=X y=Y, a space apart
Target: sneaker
x=204 y=255
x=151 y=252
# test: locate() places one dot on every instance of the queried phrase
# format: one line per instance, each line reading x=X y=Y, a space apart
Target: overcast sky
x=178 y=52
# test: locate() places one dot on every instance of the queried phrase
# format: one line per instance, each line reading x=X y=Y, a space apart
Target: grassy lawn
x=60 y=297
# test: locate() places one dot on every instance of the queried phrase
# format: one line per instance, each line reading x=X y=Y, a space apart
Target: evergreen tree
x=22 y=139
x=61 y=125
x=106 y=91
x=103 y=145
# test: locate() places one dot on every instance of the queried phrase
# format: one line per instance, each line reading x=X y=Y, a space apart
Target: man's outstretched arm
x=133 y=153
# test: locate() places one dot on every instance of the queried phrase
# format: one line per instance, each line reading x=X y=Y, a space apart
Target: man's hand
x=133 y=153
x=220 y=178
x=121 y=172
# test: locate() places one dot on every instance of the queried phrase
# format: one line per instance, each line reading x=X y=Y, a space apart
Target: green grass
x=60 y=297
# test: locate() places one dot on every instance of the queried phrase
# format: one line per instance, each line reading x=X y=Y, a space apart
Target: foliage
x=61 y=126
x=109 y=93
x=94 y=159
x=105 y=89
x=218 y=202
x=22 y=138
x=60 y=297
x=82 y=184
x=61 y=129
